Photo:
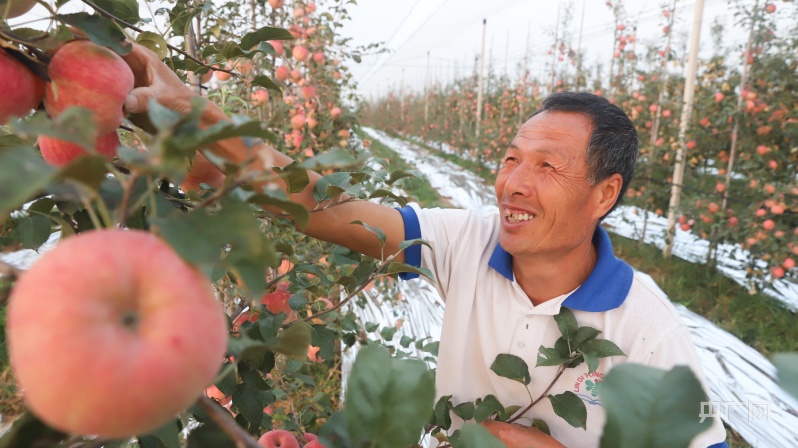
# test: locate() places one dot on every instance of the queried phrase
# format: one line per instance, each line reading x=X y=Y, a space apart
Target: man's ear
x=607 y=192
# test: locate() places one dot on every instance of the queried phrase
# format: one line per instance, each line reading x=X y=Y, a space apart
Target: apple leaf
x=294 y=340
x=24 y=173
x=73 y=125
x=388 y=400
x=167 y=435
x=336 y=158
x=787 y=365
x=125 y=10
x=511 y=366
x=266 y=82
x=27 y=431
x=382 y=193
x=250 y=40
x=32 y=231
x=651 y=407
x=487 y=408
x=396 y=268
x=400 y=174
x=209 y=435
x=571 y=408
x=476 y=436
x=101 y=31
x=154 y=42
x=566 y=322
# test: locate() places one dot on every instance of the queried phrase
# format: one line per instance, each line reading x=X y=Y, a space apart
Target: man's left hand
x=519 y=436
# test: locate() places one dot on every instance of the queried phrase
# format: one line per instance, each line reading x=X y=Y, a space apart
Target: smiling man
x=503 y=277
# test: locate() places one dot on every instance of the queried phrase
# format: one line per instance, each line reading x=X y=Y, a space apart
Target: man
x=504 y=277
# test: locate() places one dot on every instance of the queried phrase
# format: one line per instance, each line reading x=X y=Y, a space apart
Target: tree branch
x=225 y=421
x=543 y=395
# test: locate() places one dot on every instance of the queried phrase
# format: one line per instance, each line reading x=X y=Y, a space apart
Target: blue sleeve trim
x=720 y=445
x=412 y=231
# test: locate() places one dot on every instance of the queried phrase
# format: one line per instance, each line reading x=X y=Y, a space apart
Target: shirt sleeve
x=448 y=233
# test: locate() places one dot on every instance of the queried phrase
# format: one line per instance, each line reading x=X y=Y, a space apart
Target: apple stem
x=225 y=421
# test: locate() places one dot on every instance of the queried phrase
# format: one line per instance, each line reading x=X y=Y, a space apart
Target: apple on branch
x=59 y=152
x=278 y=438
x=20 y=89
x=93 y=340
x=85 y=74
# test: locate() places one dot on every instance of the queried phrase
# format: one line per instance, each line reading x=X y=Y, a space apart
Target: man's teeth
x=517 y=217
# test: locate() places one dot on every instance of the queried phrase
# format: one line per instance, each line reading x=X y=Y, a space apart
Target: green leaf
x=294 y=340
x=566 y=322
x=407 y=243
x=24 y=173
x=324 y=338
x=476 y=436
x=200 y=237
x=267 y=83
x=250 y=40
x=787 y=365
x=549 y=357
x=166 y=434
x=101 y=31
x=298 y=212
x=601 y=348
x=511 y=366
x=388 y=401
x=33 y=231
x=250 y=402
x=73 y=125
x=89 y=170
x=396 y=267
x=571 y=408
x=376 y=231
x=464 y=410
x=125 y=10
x=336 y=158
x=42 y=206
x=488 y=407
x=400 y=174
x=382 y=193
x=154 y=42
x=650 y=407
x=583 y=334
x=28 y=431
x=296 y=178
x=541 y=425
x=322 y=189
x=208 y=435
x=441 y=412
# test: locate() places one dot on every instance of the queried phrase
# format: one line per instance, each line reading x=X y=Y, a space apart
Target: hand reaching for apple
x=154 y=80
x=519 y=436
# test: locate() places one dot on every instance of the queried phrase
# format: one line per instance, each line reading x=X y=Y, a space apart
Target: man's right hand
x=154 y=80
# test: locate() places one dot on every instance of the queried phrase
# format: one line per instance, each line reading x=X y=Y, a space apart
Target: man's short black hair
x=613 y=145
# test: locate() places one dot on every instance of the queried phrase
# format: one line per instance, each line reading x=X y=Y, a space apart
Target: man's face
x=545 y=199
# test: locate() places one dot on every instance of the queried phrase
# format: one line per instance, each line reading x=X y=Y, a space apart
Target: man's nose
x=519 y=183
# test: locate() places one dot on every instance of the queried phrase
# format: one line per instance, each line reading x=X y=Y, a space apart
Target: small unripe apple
x=20 y=90
x=85 y=74
x=15 y=7
x=278 y=438
x=100 y=310
x=335 y=112
x=59 y=152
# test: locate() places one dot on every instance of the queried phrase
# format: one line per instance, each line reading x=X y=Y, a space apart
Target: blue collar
x=605 y=288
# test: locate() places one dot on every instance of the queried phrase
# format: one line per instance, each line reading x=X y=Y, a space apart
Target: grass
x=418 y=190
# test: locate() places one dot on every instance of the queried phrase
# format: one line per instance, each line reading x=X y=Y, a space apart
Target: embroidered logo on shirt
x=587 y=385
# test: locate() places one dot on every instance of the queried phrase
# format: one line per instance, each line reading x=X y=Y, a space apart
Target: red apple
x=308 y=92
x=20 y=89
x=335 y=112
x=315 y=444
x=298 y=121
x=308 y=437
x=15 y=7
x=768 y=224
x=278 y=47
x=276 y=3
x=300 y=53
x=277 y=301
x=295 y=75
x=777 y=271
x=85 y=74
x=788 y=263
x=770 y=7
x=278 y=438
x=222 y=76
x=281 y=73
x=318 y=57
x=719 y=97
x=260 y=97
x=59 y=152
x=99 y=310
x=202 y=172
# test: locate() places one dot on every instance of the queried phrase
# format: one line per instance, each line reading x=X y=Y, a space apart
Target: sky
x=451 y=31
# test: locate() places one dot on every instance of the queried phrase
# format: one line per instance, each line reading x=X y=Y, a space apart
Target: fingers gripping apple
x=112 y=334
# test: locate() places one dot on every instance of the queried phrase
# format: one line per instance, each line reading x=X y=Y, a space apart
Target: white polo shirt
x=487 y=313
